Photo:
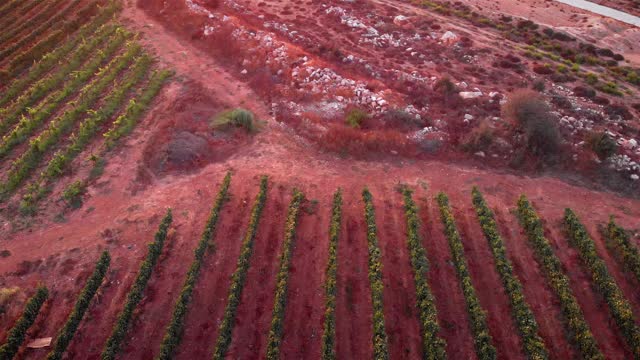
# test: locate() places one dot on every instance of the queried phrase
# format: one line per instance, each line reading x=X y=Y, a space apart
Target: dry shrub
x=602 y=144
x=349 y=141
x=480 y=138
x=447 y=92
x=401 y=120
x=533 y=116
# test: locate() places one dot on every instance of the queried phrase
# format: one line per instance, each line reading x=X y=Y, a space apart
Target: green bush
x=577 y=328
x=239 y=275
x=280 y=300
x=380 y=340
x=236 y=118
x=112 y=346
x=18 y=332
x=532 y=343
x=477 y=315
x=605 y=283
x=173 y=334
x=82 y=304
x=433 y=346
x=73 y=194
x=355 y=118
x=329 y=330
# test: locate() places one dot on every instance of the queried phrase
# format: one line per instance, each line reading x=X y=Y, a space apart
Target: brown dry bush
x=533 y=116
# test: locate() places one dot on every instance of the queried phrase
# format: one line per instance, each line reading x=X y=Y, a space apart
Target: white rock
x=244 y=72
x=449 y=37
x=400 y=19
x=468 y=117
x=634 y=177
x=470 y=94
x=479 y=153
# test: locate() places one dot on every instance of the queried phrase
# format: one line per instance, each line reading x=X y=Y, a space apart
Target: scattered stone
x=449 y=37
x=479 y=153
x=470 y=94
x=634 y=177
x=400 y=20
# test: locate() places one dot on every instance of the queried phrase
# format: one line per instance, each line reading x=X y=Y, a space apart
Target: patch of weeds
x=355 y=118
x=73 y=193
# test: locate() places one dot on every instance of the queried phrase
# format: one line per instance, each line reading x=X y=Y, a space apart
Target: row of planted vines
x=119 y=332
x=277 y=319
x=239 y=276
x=433 y=345
x=75 y=79
x=329 y=328
x=577 y=328
x=380 y=340
x=605 y=283
x=477 y=315
x=173 y=333
x=533 y=344
x=619 y=243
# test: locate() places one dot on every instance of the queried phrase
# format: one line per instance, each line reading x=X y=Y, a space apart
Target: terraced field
x=261 y=246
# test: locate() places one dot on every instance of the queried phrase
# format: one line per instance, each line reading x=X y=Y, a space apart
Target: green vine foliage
x=433 y=346
x=85 y=133
x=112 y=347
x=22 y=167
x=280 y=301
x=329 y=329
x=82 y=304
x=577 y=328
x=23 y=112
x=173 y=334
x=19 y=331
x=92 y=29
x=380 y=339
x=603 y=281
x=532 y=343
x=239 y=276
x=477 y=315
x=623 y=249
